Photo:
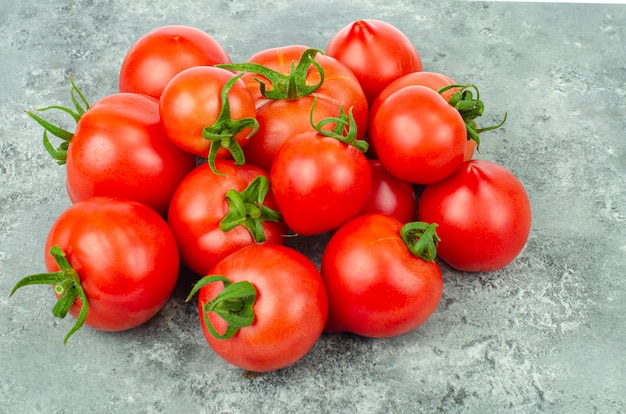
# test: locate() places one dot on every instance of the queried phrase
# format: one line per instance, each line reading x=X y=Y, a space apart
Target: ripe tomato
x=320 y=179
x=376 y=286
x=119 y=150
x=113 y=263
x=282 y=299
x=377 y=53
x=418 y=136
x=484 y=216
x=157 y=56
x=285 y=113
x=390 y=195
x=208 y=112
x=201 y=203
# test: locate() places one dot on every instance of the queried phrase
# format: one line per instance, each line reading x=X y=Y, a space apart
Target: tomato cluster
x=213 y=164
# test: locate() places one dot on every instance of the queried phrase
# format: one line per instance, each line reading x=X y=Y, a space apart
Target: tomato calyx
x=421 y=239
x=289 y=87
x=66 y=284
x=81 y=105
x=234 y=304
x=222 y=132
x=470 y=108
x=247 y=209
x=345 y=129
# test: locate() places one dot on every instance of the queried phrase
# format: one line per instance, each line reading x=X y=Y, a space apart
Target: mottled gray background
x=545 y=334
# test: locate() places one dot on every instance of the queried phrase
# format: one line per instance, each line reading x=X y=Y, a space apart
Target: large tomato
x=320 y=179
x=381 y=276
x=266 y=309
x=484 y=216
x=419 y=137
x=157 y=56
x=208 y=112
x=377 y=53
x=390 y=195
x=291 y=77
x=119 y=149
x=213 y=215
x=113 y=263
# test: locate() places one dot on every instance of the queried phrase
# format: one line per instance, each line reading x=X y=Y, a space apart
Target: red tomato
x=284 y=117
x=120 y=254
x=162 y=53
x=199 y=206
x=287 y=317
x=390 y=195
x=319 y=182
x=192 y=104
x=418 y=136
x=484 y=216
x=433 y=80
x=377 y=53
x=376 y=287
x=119 y=149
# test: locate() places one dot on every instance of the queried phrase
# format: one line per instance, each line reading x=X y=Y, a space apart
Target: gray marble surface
x=545 y=334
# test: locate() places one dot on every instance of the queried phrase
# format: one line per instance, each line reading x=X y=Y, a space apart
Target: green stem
x=470 y=108
x=222 y=133
x=66 y=284
x=234 y=304
x=345 y=129
x=281 y=86
x=421 y=239
x=81 y=105
x=246 y=208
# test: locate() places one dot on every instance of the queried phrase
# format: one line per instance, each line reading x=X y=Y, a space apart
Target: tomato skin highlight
x=377 y=53
x=198 y=206
x=126 y=257
x=390 y=195
x=484 y=216
x=319 y=182
x=418 y=136
x=155 y=58
x=290 y=311
x=376 y=287
x=119 y=149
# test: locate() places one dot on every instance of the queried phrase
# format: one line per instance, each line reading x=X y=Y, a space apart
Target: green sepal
x=345 y=129
x=81 y=105
x=421 y=239
x=222 y=133
x=247 y=209
x=234 y=304
x=66 y=284
x=290 y=87
x=470 y=108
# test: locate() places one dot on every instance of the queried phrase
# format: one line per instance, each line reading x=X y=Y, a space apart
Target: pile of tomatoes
x=212 y=165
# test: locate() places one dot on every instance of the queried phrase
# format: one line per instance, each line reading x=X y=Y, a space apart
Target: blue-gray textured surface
x=545 y=334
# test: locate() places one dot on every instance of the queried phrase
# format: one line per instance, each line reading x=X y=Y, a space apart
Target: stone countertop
x=545 y=334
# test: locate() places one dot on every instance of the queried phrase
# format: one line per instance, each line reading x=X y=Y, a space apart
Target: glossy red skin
x=199 y=205
x=340 y=89
x=376 y=287
x=418 y=136
x=390 y=195
x=119 y=149
x=319 y=183
x=290 y=310
x=192 y=101
x=126 y=258
x=433 y=80
x=154 y=59
x=484 y=216
x=377 y=53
